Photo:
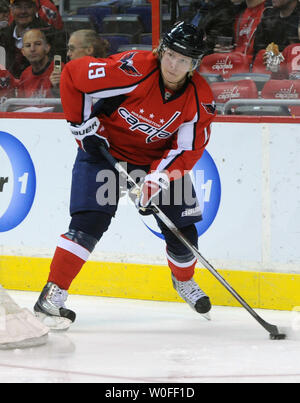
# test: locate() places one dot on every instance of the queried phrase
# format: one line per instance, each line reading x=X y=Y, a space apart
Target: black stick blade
x=278 y=336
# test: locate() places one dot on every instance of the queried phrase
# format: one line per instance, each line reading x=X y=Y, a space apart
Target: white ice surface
x=131 y=341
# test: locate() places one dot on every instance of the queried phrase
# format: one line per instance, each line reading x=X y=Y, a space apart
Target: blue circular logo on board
x=24 y=182
x=207 y=185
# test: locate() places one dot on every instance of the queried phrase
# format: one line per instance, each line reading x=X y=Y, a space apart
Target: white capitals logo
x=287 y=93
x=223 y=65
x=153 y=131
x=230 y=93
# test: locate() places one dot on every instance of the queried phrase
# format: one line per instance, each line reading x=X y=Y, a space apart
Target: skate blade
x=54 y=323
x=206 y=316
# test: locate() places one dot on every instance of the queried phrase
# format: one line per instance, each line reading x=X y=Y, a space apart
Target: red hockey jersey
x=36 y=85
x=144 y=123
x=245 y=27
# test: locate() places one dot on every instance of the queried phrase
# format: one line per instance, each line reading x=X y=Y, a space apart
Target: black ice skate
x=51 y=310
x=191 y=293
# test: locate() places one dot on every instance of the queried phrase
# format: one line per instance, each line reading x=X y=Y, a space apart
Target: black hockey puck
x=279 y=336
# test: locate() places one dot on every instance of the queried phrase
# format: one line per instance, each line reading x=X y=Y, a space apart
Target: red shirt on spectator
x=36 y=85
x=245 y=27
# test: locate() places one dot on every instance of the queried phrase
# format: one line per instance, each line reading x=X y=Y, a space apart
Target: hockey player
x=155 y=115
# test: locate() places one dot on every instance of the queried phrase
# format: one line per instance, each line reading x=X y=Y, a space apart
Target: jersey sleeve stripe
x=86 y=107
x=185 y=142
x=123 y=89
x=112 y=92
x=169 y=160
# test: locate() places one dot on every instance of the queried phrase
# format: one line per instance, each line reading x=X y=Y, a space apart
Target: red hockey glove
x=152 y=186
x=87 y=136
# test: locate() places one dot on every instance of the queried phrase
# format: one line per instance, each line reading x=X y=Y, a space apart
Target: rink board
x=253 y=240
x=152 y=282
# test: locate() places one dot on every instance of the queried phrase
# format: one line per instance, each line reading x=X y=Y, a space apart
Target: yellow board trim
x=277 y=291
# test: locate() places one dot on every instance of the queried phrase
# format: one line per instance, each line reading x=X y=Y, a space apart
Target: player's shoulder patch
x=205 y=93
x=210 y=108
x=128 y=65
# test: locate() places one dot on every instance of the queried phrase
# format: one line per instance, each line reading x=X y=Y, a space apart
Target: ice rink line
x=133 y=341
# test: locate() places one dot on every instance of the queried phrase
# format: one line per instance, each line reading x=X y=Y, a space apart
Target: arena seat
x=145 y=12
x=116 y=40
x=76 y=22
x=226 y=90
x=97 y=13
x=124 y=24
x=283 y=90
x=225 y=64
x=291 y=55
x=146 y=39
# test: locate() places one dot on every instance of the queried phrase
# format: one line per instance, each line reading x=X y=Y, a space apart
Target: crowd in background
x=36 y=44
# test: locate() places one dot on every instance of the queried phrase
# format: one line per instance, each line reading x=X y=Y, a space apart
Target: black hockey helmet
x=185 y=39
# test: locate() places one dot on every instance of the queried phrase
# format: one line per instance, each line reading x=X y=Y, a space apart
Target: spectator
x=236 y=19
x=48 y=12
x=219 y=23
x=39 y=80
x=86 y=42
x=4 y=14
x=279 y=25
x=24 y=15
x=246 y=24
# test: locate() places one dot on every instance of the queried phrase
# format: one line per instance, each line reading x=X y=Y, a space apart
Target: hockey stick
x=272 y=329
